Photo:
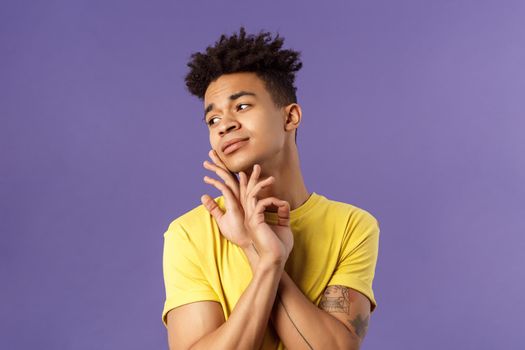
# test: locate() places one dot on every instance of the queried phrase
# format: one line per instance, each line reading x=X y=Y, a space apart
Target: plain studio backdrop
x=413 y=110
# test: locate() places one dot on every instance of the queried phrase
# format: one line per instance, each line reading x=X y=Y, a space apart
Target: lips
x=232 y=142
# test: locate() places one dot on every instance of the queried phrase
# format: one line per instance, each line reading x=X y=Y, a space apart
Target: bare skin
x=263 y=174
x=270 y=131
x=346 y=305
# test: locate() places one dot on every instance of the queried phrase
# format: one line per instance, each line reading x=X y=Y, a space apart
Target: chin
x=239 y=163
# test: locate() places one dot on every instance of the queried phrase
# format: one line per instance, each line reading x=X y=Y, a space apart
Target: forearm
x=248 y=321
x=302 y=325
x=299 y=323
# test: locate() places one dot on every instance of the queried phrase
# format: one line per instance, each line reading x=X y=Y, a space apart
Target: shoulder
x=354 y=214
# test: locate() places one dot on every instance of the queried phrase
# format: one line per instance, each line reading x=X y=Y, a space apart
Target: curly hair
x=247 y=53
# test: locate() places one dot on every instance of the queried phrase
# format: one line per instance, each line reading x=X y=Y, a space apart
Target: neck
x=289 y=183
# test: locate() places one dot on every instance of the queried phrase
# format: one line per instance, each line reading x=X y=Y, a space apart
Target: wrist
x=272 y=262
x=247 y=246
x=246 y=241
x=251 y=255
x=266 y=265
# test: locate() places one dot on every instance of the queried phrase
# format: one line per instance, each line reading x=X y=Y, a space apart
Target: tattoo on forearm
x=337 y=299
x=293 y=323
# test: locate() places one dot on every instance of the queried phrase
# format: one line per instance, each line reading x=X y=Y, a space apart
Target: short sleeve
x=184 y=279
x=357 y=263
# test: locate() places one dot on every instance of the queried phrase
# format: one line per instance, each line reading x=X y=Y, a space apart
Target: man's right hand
x=274 y=242
x=231 y=222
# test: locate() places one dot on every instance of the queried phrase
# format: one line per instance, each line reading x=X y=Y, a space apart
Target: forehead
x=228 y=84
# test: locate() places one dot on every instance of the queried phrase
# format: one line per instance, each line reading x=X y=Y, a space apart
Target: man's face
x=238 y=106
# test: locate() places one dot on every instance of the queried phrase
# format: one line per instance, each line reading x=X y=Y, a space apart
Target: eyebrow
x=232 y=98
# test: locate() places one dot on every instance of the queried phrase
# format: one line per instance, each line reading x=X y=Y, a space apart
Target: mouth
x=232 y=147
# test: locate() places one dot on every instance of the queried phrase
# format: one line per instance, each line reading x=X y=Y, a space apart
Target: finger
x=231 y=202
x=242 y=188
x=215 y=158
x=249 y=201
x=253 y=177
x=266 y=182
x=252 y=198
x=212 y=206
x=226 y=176
x=283 y=213
x=283 y=209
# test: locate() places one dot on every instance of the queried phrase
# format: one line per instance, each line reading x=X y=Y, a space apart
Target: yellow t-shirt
x=335 y=243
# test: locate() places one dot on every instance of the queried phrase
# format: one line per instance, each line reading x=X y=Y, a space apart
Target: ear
x=293 y=115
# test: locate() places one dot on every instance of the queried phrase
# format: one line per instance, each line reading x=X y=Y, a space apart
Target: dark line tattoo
x=297 y=329
x=253 y=245
x=287 y=314
x=337 y=299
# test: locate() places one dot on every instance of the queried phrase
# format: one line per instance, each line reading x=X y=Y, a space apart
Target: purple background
x=413 y=110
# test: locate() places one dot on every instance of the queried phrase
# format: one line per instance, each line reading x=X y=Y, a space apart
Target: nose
x=227 y=125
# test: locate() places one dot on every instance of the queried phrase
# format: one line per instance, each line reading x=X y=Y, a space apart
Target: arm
x=241 y=223
x=246 y=325
x=189 y=322
x=300 y=317
x=340 y=321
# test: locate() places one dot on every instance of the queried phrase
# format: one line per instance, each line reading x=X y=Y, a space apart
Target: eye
x=210 y=122
x=242 y=104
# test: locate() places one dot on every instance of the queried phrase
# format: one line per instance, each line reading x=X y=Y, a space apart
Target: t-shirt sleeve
x=184 y=279
x=356 y=266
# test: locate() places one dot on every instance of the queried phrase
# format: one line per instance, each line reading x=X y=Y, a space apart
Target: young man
x=268 y=264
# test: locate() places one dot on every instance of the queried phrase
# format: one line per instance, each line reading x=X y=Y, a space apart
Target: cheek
x=270 y=125
x=214 y=143
x=270 y=136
